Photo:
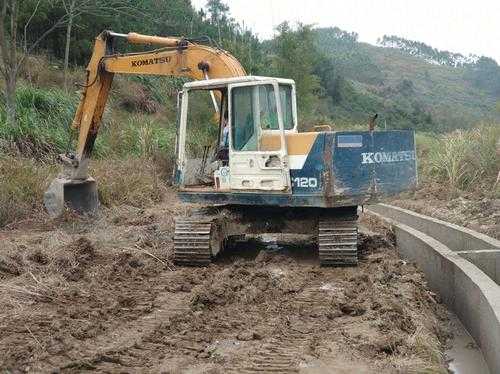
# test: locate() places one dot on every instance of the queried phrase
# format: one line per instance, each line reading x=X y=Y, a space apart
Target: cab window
x=254 y=110
x=243 y=119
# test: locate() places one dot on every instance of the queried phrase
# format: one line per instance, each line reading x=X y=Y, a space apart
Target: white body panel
x=259 y=170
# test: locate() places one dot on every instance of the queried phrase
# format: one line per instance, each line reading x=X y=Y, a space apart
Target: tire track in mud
x=284 y=352
x=107 y=348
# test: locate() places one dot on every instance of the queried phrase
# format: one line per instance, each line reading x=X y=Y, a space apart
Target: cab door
x=255 y=110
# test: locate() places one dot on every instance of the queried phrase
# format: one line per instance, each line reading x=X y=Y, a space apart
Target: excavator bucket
x=77 y=195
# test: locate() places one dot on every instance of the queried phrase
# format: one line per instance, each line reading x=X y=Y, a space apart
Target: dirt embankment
x=475 y=211
x=105 y=296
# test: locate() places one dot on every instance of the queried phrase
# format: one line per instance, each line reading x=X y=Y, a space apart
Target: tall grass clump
x=426 y=143
x=44 y=117
x=22 y=185
x=135 y=136
x=132 y=181
x=466 y=159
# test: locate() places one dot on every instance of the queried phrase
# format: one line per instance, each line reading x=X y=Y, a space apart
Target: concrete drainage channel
x=461 y=265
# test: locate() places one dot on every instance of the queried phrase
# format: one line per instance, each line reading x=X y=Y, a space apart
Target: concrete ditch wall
x=455 y=237
x=486 y=260
x=470 y=293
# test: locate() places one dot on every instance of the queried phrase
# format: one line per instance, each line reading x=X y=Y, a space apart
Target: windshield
x=254 y=109
x=269 y=113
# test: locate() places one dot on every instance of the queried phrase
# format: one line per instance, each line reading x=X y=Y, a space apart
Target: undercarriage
x=202 y=234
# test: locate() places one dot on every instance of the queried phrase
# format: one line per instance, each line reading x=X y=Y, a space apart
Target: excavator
x=261 y=175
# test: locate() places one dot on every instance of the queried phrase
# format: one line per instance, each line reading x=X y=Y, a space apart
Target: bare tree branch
x=58 y=23
x=13 y=36
x=25 y=41
x=64 y=5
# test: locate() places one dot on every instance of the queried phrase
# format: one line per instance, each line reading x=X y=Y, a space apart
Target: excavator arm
x=175 y=57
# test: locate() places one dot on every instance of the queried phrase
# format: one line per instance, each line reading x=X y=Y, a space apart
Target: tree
x=11 y=60
x=219 y=14
x=75 y=8
x=294 y=58
x=485 y=74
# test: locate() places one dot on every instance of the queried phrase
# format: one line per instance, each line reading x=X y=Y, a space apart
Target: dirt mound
x=75 y=259
x=370 y=243
x=84 y=251
x=243 y=284
x=39 y=257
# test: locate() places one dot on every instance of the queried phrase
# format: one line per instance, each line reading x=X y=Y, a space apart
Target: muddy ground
x=80 y=295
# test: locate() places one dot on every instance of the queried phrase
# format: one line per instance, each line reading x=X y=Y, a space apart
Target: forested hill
x=409 y=83
x=339 y=80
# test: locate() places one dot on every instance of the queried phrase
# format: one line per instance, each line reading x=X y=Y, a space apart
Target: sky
x=461 y=26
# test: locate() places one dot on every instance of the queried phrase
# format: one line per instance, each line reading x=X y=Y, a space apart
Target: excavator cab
x=250 y=146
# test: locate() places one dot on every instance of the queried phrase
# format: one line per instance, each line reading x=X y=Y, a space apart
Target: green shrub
x=44 y=117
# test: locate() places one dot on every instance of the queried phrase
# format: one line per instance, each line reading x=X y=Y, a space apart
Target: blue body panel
x=380 y=163
x=351 y=178
x=341 y=169
x=396 y=167
x=314 y=169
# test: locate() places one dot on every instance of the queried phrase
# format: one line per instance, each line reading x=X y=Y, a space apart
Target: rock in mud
x=248 y=335
x=353 y=309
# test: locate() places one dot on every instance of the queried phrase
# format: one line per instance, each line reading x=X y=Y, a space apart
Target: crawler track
x=338 y=242
x=192 y=241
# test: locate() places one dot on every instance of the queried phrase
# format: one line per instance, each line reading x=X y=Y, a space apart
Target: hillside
x=406 y=90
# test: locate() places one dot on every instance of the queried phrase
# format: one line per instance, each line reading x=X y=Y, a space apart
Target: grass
x=138 y=135
x=464 y=159
x=138 y=182
x=43 y=128
x=43 y=122
x=132 y=158
x=21 y=187
x=132 y=181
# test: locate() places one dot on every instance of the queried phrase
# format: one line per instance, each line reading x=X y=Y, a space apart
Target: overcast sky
x=462 y=26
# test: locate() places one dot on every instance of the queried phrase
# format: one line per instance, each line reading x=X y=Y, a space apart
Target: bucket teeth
x=192 y=242
x=338 y=242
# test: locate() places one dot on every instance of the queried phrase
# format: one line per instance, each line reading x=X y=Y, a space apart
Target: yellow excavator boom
x=177 y=57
